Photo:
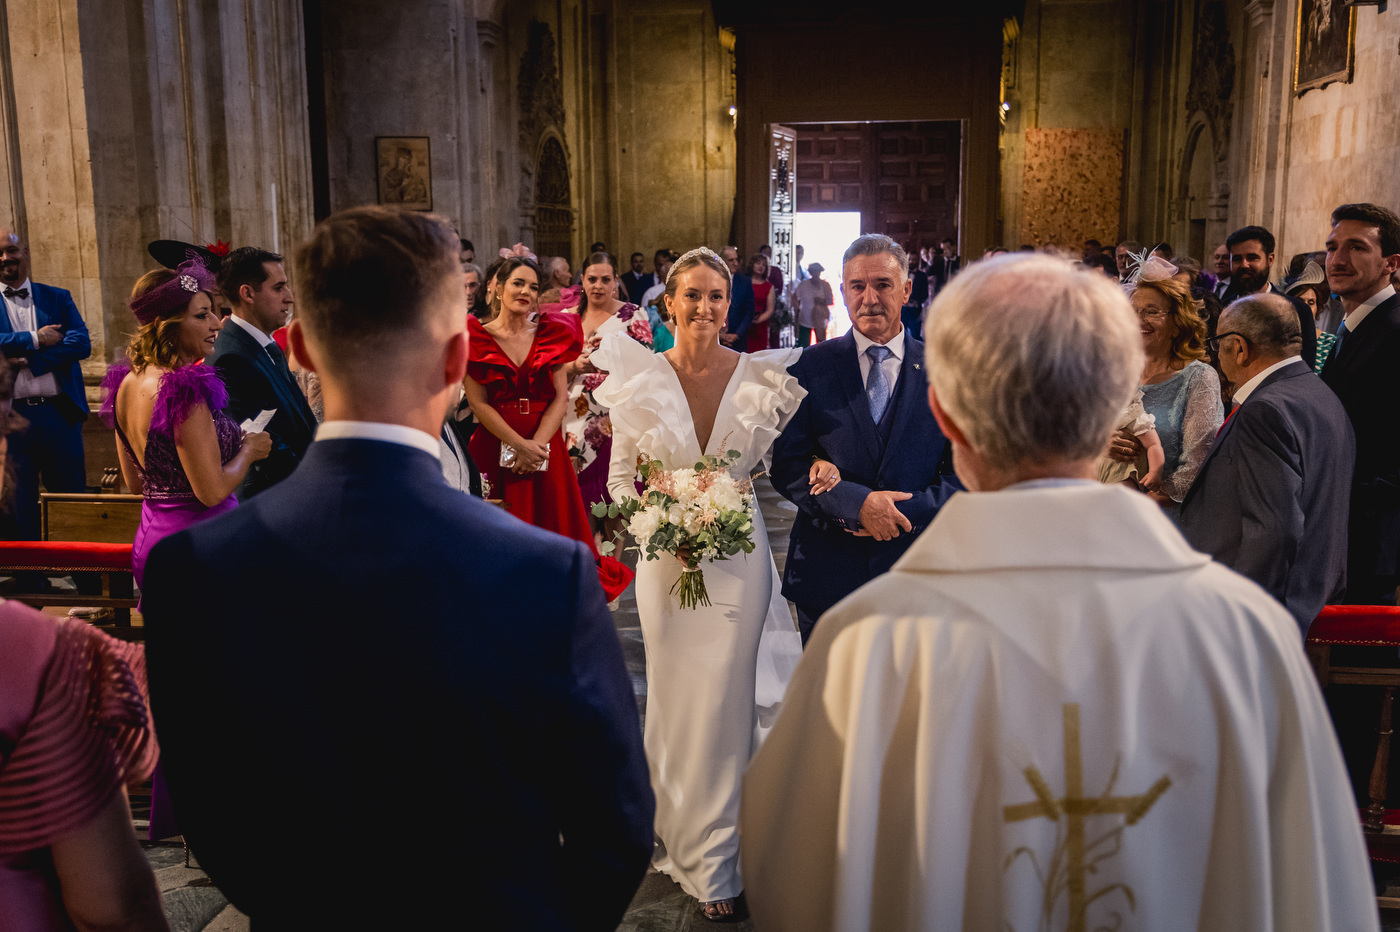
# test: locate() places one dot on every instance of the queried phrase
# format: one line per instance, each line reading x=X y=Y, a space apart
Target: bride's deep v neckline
x=724 y=400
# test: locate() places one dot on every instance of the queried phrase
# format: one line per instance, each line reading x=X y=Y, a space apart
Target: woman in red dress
x=764 y=297
x=517 y=389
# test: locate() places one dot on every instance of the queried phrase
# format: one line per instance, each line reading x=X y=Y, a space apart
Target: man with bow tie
x=44 y=337
x=865 y=413
x=254 y=283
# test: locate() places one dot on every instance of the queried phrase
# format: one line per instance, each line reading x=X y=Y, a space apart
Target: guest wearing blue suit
x=741 y=303
x=254 y=369
x=427 y=691
x=45 y=339
x=867 y=412
x=1270 y=500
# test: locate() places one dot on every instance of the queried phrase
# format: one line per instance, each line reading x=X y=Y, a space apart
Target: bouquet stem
x=691 y=587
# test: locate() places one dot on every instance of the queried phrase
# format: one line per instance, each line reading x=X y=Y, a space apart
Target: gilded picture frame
x=404 y=169
x=1325 y=44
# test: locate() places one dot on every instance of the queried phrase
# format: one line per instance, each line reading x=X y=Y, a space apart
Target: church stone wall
x=1344 y=139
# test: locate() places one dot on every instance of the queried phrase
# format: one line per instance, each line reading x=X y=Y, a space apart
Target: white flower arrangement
x=696 y=514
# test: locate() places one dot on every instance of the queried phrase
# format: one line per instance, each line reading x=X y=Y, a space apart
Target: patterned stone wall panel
x=1073 y=186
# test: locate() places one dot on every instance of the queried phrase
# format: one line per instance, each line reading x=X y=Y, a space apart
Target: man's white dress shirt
x=374 y=430
x=890 y=365
x=24 y=319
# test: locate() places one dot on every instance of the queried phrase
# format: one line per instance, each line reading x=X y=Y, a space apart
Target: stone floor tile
x=191 y=909
x=230 y=920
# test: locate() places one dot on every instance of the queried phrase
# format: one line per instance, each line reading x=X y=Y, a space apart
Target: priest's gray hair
x=1033 y=359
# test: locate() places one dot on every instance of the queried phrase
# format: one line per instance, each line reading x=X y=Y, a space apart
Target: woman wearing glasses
x=1179 y=389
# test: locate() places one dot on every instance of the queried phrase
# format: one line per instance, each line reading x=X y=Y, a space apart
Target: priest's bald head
x=1031 y=364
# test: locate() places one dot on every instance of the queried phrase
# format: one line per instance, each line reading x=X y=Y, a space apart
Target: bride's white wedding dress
x=716 y=674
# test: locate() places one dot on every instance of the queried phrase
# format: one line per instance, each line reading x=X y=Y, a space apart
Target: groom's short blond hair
x=1033 y=359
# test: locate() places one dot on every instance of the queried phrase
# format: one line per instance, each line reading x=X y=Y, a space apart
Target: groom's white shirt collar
x=373 y=430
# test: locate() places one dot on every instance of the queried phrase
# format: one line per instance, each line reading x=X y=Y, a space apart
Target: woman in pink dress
x=765 y=296
x=75 y=732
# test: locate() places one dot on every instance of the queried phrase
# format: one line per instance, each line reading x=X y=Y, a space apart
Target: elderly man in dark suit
x=1363 y=251
x=866 y=413
x=253 y=367
x=377 y=639
x=45 y=339
x=1270 y=500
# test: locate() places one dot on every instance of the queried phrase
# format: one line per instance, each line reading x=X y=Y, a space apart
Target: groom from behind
x=382 y=641
x=865 y=413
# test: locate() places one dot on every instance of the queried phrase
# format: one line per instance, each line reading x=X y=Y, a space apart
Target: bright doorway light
x=824 y=236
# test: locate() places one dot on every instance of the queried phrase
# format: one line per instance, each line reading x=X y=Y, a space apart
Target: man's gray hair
x=874 y=244
x=1033 y=359
x=1269 y=322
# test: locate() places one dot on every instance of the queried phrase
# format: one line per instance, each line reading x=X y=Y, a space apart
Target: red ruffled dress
x=548 y=498
x=74 y=727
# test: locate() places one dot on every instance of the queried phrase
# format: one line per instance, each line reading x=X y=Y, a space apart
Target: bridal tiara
x=701 y=251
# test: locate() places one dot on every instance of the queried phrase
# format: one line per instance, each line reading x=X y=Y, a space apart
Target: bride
x=712 y=691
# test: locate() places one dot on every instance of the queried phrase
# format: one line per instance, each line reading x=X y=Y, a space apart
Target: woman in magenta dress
x=75 y=732
x=176 y=446
x=517 y=389
x=764 y=298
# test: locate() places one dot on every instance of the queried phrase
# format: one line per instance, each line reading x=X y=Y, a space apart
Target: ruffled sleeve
x=764 y=401
x=558 y=340
x=486 y=361
x=89 y=734
x=181 y=390
x=110 y=383
x=646 y=408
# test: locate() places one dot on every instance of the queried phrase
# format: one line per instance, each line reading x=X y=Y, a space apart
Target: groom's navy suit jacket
x=256 y=384
x=906 y=452
x=425 y=692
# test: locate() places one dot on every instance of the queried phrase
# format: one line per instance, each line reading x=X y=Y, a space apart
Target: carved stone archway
x=1209 y=105
x=554 y=215
x=541 y=98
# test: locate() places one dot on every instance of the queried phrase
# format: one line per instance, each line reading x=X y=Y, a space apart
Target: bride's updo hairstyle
x=159 y=300
x=693 y=259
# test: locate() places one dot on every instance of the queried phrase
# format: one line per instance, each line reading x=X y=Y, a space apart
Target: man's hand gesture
x=880 y=519
x=52 y=335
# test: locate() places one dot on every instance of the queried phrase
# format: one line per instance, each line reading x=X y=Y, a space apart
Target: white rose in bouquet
x=644 y=523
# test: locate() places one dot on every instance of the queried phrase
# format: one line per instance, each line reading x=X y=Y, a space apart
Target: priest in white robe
x=1052 y=714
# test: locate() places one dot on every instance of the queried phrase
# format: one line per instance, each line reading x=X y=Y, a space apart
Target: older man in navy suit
x=866 y=413
x=366 y=657
x=45 y=339
x=1270 y=500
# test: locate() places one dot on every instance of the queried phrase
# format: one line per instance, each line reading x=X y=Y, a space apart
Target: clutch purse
x=508 y=453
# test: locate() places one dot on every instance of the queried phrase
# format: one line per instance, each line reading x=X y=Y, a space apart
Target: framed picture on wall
x=405 y=172
x=1326 y=43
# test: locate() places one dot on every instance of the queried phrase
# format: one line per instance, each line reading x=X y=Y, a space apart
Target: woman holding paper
x=176 y=446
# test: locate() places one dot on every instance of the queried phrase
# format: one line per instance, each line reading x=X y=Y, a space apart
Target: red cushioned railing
x=1361 y=625
x=65 y=556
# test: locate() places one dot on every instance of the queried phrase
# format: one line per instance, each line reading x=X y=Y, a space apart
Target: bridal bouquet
x=696 y=514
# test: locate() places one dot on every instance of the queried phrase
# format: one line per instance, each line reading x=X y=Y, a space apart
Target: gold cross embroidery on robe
x=1075 y=855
